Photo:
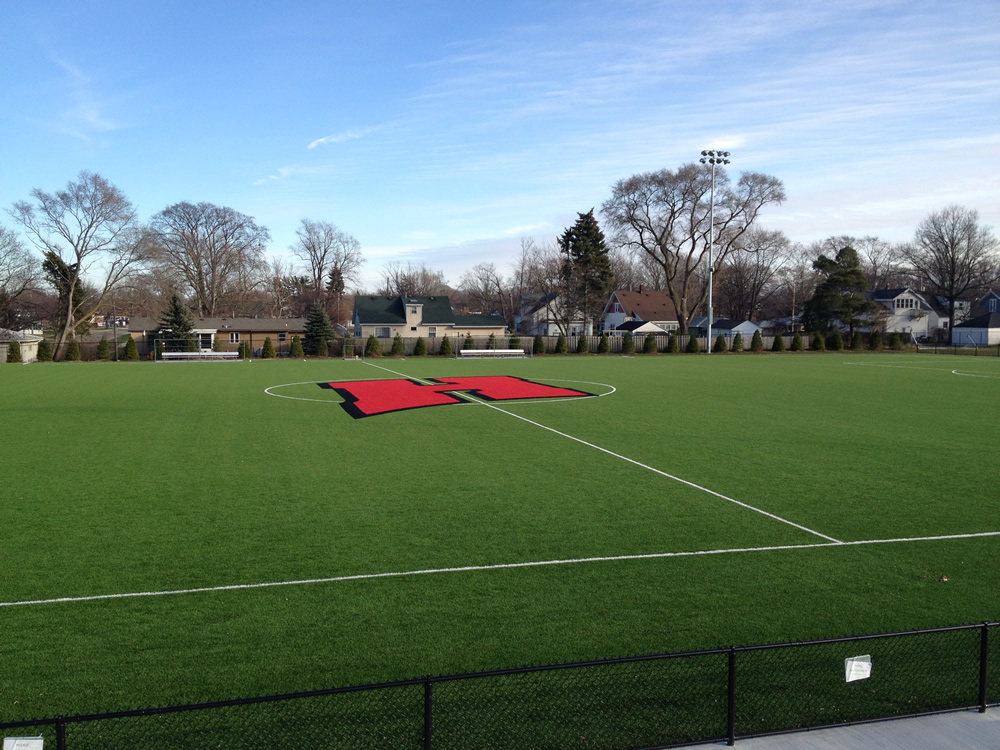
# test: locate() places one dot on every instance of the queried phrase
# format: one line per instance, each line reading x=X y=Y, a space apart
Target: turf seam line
x=496 y=566
x=636 y=463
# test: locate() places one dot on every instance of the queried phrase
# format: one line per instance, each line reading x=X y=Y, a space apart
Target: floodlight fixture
x=710 y=156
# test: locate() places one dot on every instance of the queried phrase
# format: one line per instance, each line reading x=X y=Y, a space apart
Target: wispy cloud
x=282 y=173
x=347 y=135
x=86 y=116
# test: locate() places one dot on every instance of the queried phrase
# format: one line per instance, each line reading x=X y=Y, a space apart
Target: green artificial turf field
x=192 y=482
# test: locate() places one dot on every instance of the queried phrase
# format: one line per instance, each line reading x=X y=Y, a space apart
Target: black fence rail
x=664 y=700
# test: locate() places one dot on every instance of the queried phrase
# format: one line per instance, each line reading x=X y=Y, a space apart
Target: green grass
x=133 y=477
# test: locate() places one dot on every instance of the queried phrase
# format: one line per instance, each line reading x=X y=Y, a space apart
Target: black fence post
x=428 y=712
x=984 y=644
x=731 y=720
x=60 y=734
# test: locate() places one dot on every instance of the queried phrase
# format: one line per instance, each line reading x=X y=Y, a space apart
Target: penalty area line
x=497 y=566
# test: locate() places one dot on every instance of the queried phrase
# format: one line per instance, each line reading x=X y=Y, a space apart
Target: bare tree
x=211 y=248
x=666 y=215
x=18 y=274
x=954 y=255
x=326 y=251
x=490 y=291
x=91 y=227
x=408 y=280
x=796 y=282
x=747 y=279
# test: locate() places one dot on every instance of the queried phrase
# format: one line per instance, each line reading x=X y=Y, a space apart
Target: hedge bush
x=538 y=344
x=835 y=341
x=132 y=351
x=779 y=344
x=895 y=341
x=398 y=349
x=628 y=343
x=673 y=344
x=469 y=343
x=818 y=343
x=73 y=351
x=720 y=344
x=420 y=348
x=797 y=344
x=649 y=344
x=373 y=348
x=737 y=345
x=103 y=349
x=514 y=342
x=693 y=347
x=44 y=351
x=267 y=351
x=582 y=345
x=561 y=346
x=605 y=346
x=757 y=342
x=295 y=348
x=857 y=341
x=445 y=349
x=875 y=340
x=14 y=353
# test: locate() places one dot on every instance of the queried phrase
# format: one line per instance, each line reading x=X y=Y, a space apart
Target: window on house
x=234 y=337
x=413 y=311
x=413 y=328
x=993 y=305
x=282 y=337
x=383 y=332
x=432 y=332
x=204 y=341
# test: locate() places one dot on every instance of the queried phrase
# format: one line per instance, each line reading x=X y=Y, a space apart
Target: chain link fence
x=666 y=700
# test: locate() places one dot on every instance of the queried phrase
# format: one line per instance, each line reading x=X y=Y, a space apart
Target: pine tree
x=797 y=345
x=538 y=344
x=895 y=341
x=693 y=345
x=267 y=351
x=857 y=341
x=628 y=343
x=835 y=341
x=372 y=347
x=649 y=344
x=177 y=326
x=469 y=342
x=673 y=344
x=491 y=342
x=757 y=342
x=818 y=343
x=779 y=343
x=605 y=346
x=295 y=348
x=348 y=345
x=420 y=348
x=737 y=343
x=14 y=353
x=875 y=340
x=44 y=351
x=445 y=350
x=398 y=348
x=131 y=350
x=103 y=349
x=317 y=330
x=73 y=351
x=561 y=346
x=586 y=267
x=514 y=342
x=720 y=344
x=582 y=345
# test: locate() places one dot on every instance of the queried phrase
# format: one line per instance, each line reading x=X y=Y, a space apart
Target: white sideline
x=497 y=566
x=632 y=461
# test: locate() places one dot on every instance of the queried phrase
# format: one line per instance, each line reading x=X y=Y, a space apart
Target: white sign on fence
x=858 y=667
x=22 y=743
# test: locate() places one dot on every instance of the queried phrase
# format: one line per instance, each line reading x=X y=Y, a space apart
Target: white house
x=26 y=341
x=911 y=312
x=545 y=315
x=728 y=327
x=983 y=330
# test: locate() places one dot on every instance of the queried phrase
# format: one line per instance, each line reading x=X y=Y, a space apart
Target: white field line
x=498 y=566
x=945 y=370
x=640 y=464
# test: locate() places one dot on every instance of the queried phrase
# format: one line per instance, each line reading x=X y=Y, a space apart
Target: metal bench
x=491 y=353
x=199 y=355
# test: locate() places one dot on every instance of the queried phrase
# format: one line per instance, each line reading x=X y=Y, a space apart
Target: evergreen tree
x=158 y=349
x=244 y=351
x=44 y=351
x=693 y=345
x=73 y=351
x=757 y=342
x=586 y=268
x=491 y=342
x=839 y=298
x=875 y=341
x=779 y=343
x=673 y=344
x=372 y=347
x=737 y=343
x=131 y=350
x=628 y=343
x=514 y=342
x=857 y=341
x=561 y=346
x=818 y=343
x=582 y=345
x=797 y=344
x=445 y=350
x=295 y=348
x=538 y=344
x=398 y=348
x=835 y=341
x=469 y=343
x=720 y=344
x=605 y=346
x=420 y=348
x=649 y=344
x=895 y=341
x=14 y=353
x=317 y=331
x=348 y=345
x=103 y=349
x=267 y=351
x=177 y=326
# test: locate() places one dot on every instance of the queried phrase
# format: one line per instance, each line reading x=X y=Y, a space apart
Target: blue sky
x=443 y=132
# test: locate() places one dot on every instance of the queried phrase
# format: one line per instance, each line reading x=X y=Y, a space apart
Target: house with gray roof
x=26 y=341
x=418 y=317
x=983 y=330
x=223 y=334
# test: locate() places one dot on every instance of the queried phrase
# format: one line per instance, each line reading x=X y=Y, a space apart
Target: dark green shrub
x=491 y=342
x=875 y=340
x=348 y=345
x=73 y=351
x=817 y=343
x=323 y=347
x=420 y=348
x=757 y=342
x=895 y=341
x=14 y=353
x=737 y=345
x=514 y=342
x=779 y=344
x=317 y=332
x=693 y=347
x=605 y=346
x=132 y=351
x=628 y=343
x=267 y=351
x=673 y=343
x=398 y=349
x=445 y=350
x=561 y=346
x=470 y=343
x=372 y=347
x=582 y=344
x=797 y=344
x=103 y=349
x=835 y=341
x=244 y=351
x=649 y=344
x=44 y=351
x=538 y=344
x=295 y=348
x=720 y=344
x=158 y=350
x=857 y=342
x=216 y=344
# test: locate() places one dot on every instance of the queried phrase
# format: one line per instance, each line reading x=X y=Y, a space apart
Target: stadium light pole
x=712 y=157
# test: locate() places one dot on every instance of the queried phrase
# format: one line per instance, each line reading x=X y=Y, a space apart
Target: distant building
x=645 y=305
x=418 y=316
